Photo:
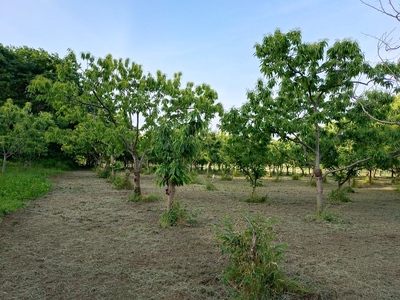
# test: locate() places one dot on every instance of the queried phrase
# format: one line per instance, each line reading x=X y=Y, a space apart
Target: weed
x=253 y=270
x=178 y=215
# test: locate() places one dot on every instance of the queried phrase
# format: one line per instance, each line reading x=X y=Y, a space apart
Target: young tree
x=187 y=113
x=308 y=87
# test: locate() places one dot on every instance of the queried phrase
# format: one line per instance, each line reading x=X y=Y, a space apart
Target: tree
x=18 y=66
x=308 y=87
x=187 y=113
x=115 y=91
x=22 y=132
x=247 y=145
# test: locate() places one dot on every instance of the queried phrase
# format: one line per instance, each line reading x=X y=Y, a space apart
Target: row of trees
x=317 y=106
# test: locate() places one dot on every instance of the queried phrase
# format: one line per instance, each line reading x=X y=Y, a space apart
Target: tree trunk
x=209 y=167
x=137 y=165
x=3 y=170
x=171 y=195
x=320 y=202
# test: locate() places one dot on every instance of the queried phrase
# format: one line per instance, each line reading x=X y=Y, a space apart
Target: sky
x=209 y=41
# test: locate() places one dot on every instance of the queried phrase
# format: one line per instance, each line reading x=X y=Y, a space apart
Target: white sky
x=209 y=41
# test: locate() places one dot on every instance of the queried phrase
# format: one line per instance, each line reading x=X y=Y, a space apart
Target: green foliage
x=253 y=270
x=18 y=187
x=348 y=189
x=338 y=196
x=178 y=215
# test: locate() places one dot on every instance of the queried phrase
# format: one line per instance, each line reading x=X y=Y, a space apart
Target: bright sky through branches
x=210 y=41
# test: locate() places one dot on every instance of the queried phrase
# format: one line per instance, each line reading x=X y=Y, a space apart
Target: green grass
x=18 y=187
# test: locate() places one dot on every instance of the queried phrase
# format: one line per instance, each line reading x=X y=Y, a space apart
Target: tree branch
x=347 y=167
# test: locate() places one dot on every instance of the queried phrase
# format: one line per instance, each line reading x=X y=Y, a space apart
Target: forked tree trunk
x=170 y=196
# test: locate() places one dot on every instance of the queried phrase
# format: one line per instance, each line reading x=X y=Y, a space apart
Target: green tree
x=21 y=132
x=308 y=87
x=18 y=66
x=186 y=115
x=247 y=145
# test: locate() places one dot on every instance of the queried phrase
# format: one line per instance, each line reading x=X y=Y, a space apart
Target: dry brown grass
x=85 y=240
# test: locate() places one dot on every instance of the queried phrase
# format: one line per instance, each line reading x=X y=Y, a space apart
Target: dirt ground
x=85 y=240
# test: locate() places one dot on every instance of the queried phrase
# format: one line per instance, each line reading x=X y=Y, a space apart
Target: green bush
x=178 y=215
x=103 y=172
x=253 y=270
x=338 y=196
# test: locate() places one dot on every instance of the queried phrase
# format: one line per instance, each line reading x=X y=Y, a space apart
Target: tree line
x=315 y=106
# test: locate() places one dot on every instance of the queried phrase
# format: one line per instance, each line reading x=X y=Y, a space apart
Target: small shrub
x=103 y=172
x=328 y=216
x=122 y=182
x=226 y=177
x=256 y=199
x=296 y=177
x=338 y=196
x=348 y=189
x=178 y=215
x=253 y=270
x=210 y=187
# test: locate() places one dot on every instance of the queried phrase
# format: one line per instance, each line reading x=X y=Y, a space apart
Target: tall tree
x=308 y=87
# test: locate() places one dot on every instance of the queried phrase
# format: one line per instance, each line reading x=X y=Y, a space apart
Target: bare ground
x=86 y=240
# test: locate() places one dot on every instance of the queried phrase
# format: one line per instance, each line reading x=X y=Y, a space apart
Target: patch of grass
x=348 y=189
x=253 y=270
x=178 y=215
x=18 y=186
x=103 y=172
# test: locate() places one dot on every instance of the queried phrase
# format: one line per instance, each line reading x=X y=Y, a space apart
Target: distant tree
x=247 y=144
